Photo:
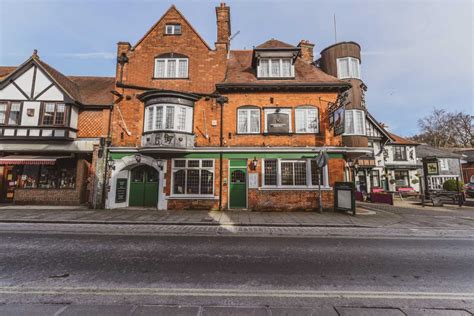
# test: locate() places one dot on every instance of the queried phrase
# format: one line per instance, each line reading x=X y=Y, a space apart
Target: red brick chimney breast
x=306 y=51
x=223 y=26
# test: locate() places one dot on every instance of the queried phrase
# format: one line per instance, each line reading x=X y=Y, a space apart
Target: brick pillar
x=223 y=26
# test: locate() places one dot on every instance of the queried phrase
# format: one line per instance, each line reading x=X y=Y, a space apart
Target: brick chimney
x=223 y=26
x=306 y=51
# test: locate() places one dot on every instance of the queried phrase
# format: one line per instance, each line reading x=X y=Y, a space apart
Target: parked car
x=469 y=189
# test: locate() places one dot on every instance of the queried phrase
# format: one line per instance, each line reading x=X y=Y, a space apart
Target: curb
x=181 y=224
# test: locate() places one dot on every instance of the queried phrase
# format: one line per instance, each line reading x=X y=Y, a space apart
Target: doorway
x=143 y=186
x=238 y=184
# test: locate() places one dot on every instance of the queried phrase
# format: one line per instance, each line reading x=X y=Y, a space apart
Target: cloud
x=94 y=55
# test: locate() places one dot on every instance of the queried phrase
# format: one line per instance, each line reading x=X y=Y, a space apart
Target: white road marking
x=233 y=293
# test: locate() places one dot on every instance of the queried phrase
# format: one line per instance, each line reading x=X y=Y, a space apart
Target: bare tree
x=446 y=129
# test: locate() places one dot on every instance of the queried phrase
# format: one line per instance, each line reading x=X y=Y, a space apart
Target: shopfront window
x=292 y=173
x=401 y=178
x=62 y=175
x=193 y=177
x=375 y=178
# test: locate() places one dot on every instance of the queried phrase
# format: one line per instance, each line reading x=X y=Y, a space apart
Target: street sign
x=322 y=159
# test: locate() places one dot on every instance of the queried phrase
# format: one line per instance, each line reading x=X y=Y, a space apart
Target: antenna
x=230 y=40
x=335 y=29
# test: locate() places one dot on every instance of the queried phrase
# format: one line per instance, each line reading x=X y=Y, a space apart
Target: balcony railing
x=436 y=182
x=37 y=132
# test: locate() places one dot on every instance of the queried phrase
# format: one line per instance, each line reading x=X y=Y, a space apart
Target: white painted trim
x=313 y=188
x=191 y=197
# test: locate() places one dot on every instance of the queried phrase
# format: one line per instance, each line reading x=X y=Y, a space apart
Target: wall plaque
x=121 y=191
x=253 y=180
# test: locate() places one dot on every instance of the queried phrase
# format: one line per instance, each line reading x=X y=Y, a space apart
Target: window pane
x=243 y=121
x=183 y=68
x=287 y=173
x=149 y=118
x=14 y=117
x=264 y=64
x=48 y=177
x=349 y=122
x=193 y=163
x=207 y=163
x=314 y=173
x=343 y=68
x=255 y=121
x=355 y=68
x=169 y=29
x=300 y=120
x=180 y=163
x=181 y=119
x=171 y=71
x=48 y=114
x=179 y=178
x=300 y=173
x=29 y=178
x=286 y=70
x=359 y=122
x=312 y=120
x=160 y=68
x=59 y=118
x=192 y=181
x=270 y=168
x=159 y=117
x=177 y=29
x=275 y=63
x=207 y=181
x=3 y=112
x=169 y=117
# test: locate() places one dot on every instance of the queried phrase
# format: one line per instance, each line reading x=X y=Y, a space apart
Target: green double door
x=143 y=187
x=238 y=184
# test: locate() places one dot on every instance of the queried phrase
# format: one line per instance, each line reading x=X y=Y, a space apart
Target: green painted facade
x=249 y=155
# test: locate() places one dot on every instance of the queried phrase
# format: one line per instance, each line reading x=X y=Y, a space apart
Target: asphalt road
x=236 y=271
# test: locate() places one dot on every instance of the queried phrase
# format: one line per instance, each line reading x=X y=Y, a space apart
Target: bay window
x=193 y=177
x=306 y=120
x=292 y=173
x=248 y=121
x=354 y=122
x=275 y=68
x=348 y=67
x=171 y=68
x=172 y=117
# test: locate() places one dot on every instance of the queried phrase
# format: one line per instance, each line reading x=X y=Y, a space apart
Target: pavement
x=369 y=215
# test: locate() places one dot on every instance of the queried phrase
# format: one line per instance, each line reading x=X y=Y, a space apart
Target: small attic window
x=173 y=29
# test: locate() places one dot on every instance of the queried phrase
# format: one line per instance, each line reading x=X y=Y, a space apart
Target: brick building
x=214 y=128
x=50 y=125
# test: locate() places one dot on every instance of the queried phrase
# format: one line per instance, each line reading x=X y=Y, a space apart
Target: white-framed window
x=193 y=177
x=348 y=67
x=306 y=119
x=275 y=68
x=278 y=120
x=10 y=113
x=173 y=29
x=248 y=121
x=171 y=68
x=168 y=117
x=354 y=122
x=293 y=173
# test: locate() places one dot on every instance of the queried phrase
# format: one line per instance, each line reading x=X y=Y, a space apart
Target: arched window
x=307 y=119
x=171 y=65
x=248 y=120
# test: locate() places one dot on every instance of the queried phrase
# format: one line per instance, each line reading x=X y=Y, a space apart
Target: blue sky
x=416 y=55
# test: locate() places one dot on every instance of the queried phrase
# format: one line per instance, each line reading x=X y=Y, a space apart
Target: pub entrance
x=143 y=186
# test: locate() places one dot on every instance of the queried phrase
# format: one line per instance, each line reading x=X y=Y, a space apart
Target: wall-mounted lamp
x=160 y=164
x=254 y=163
x=138 y=158
x=111 y=164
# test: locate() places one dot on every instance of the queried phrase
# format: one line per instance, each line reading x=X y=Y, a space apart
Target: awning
x=30 y=160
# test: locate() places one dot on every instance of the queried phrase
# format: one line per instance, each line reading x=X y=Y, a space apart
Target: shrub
x=415 y=181
x=452 y=185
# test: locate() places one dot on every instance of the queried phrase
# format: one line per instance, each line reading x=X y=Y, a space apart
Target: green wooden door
x=238 y=184
x=143 y=186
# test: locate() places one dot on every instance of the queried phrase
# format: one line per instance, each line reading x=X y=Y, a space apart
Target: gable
x=156 y=32
x=29 y=82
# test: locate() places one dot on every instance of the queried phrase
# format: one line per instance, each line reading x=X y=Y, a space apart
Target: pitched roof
x=5 y=71
x=427 y=151
x=273 y=43
x=398 y=140
x=467 y=152
x=240 y=71
x=85 y=90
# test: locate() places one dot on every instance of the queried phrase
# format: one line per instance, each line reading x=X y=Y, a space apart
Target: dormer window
x=275 y=68
x=173 y=29
x=348 y=67
x=171 y=66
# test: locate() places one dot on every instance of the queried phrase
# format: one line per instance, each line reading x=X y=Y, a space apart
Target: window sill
x=276 y=78
x=192 y=197
x=295 y=188
x=170 y=78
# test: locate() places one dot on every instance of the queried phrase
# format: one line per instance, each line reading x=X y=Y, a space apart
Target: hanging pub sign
x=338 y=117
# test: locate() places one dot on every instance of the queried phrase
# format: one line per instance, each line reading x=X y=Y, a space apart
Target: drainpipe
x=221 y=100
x=108 y=142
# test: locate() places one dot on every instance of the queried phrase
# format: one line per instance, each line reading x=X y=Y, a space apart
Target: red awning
x=30 y=160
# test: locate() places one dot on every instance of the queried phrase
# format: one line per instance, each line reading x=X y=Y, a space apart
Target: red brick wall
x=288 y=200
